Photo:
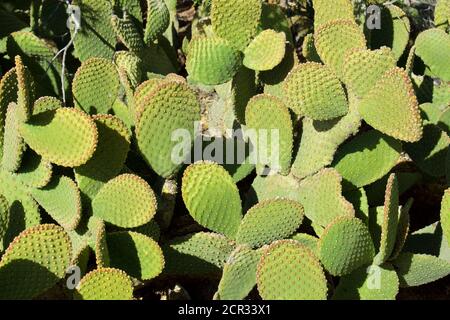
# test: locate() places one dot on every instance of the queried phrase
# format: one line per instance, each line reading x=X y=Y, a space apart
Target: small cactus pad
x=44 y=104
x=171 y=107
x=290 y=271
x=321 y=195
x=363 y=68
x=128 y=32
x=95 y=86
x=236 y=21
x=66 y=137
x=419 y=269
x=345 y=246
x=445 y=215
x=158 y=19
x=273 y=187
x=145 y=261
x=109 y=156
x=96 y=37
x=309 y=241
x=334 y=39
x=239 y=274
x=26 y=90
x=320 y=141
x=369 y=283
x=35 y=261
x=369 y=150
x=267 y=115
x=266 y=51
x=433 y=47
x=13 y=144
x=197 y=254
x=390 y=221
x=126 y=201
x=269 y=221
x=392 y=108
x=212 y=61
x=62 y=201
x=313 y=90
x=105 y=284
x=212 y=198
x=8 y=94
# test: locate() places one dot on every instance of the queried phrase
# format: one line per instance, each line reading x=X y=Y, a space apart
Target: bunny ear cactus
x=212 y=198
x=171 y=106
x=289 y=270
x=266 y=51
x=66 y=137
x=324 y=12
x=100 y=75
x=158 y=19
x=105 y=284
x=35 y=261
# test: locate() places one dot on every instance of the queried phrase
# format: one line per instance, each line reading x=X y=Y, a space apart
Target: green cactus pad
x=13 y=144
x=62 y=201
x=266 y=51
x=109 y=157
x=320 y=141
x=429 y=154
x=394 y=31
x=199 y=254
x=445 y=214
x=132 y=64
x=345 y=246
x=313 y=90
x=321 y=195
x=402 y=229
x=433 y=47
x=171 y=106
x=96 y=239
x=158 y=20
x=145 y=261
x=392 y=107
x=325 y=12
x=369 y=150
x=96 y=37
x=264 y=114
x=369 y=283
x=126 y=201
x=212 y=61
x=35 y=261
x=290 y=271
x=4 y=220
x=239 y=274
x=66 y=137
x=389 y=223
x=236 y=21
x=334 y=39
x=212 y=198
x=419 y=269
x=105 y=284
x=143 y=91
x=95 y=86
x=363 y=68
x=44 y=104
x=151 y=230
x=128 y=32
x=269 y=221
x=34 y=172
x=26 y=90
x=8 y=94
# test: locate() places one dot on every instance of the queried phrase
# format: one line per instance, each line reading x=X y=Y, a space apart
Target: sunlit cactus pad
x=224 y=150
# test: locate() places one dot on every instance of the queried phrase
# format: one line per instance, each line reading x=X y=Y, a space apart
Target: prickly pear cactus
x=224 y=149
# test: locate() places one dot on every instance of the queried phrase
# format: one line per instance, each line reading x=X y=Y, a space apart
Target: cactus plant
x=132 y=149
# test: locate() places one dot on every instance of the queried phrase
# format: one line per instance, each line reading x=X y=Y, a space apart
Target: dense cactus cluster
x=128 y=169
